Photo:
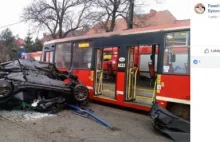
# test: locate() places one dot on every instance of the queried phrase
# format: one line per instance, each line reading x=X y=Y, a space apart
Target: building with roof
x=153 y=18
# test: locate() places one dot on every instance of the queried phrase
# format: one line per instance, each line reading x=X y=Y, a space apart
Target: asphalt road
x=23 y=126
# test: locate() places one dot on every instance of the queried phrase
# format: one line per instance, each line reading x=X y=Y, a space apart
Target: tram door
x=140 y=74
x=48 y=54
x=98 y=72
x=105 y=72
x=131 y=77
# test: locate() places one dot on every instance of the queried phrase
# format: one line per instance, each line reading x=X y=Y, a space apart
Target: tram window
x=47 y=57
x=176 y=44
x=177 y=38
x=107 y=55
x=63 y=55
x=110 y=53
x=82 y=58
x=145 y=58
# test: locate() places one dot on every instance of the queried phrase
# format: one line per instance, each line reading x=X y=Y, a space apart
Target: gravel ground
x=26 y=126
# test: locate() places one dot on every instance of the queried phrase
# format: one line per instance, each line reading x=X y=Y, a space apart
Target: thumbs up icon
x=206 y=51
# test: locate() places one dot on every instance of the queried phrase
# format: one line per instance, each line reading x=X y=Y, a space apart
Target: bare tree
x=60 y=17
x=4 y=56
x=137 y=10
x=107 y=11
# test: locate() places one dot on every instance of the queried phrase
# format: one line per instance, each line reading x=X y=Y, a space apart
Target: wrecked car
x=169 y=124
x=40 y=84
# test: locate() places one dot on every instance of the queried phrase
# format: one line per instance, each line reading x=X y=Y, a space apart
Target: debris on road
x=175 y=127
x=23 y=115
x=89 y=113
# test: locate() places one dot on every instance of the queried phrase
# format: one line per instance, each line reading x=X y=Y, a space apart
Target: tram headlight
x=113 y=62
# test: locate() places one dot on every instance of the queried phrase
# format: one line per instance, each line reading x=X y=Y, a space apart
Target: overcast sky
x=11 y=10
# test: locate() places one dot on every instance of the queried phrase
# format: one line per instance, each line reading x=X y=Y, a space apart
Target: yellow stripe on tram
x=138 y=96
x=110 y=85
x=108 y=91
x=144 y=97
x=141 y=89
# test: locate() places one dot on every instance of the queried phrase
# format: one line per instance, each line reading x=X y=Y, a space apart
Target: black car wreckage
x=41 y=85
x=169 y=124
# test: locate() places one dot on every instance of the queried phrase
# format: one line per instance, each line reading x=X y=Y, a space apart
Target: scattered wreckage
x=40 y=84
x=165 y=122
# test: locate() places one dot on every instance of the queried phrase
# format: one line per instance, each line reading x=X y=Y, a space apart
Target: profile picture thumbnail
x=199 y=8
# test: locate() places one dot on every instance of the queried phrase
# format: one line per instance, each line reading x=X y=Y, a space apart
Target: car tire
x=81 y=93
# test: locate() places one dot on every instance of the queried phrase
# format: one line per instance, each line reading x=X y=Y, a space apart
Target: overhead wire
x=11 y=24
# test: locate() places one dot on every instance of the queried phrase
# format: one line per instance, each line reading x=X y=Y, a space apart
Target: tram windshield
x=63 y=55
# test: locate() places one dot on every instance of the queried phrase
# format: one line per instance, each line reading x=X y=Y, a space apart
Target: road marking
x=21 y=115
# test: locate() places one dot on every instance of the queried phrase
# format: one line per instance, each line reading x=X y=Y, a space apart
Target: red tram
x=32 y=56
x=133 y=68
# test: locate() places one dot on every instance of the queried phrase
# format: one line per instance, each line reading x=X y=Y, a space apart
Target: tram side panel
x=173 y=86
x=178 y=93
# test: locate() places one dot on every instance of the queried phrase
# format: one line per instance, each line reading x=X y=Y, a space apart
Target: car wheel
x=81 y=93
x=84 y=103
x=5 y=90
